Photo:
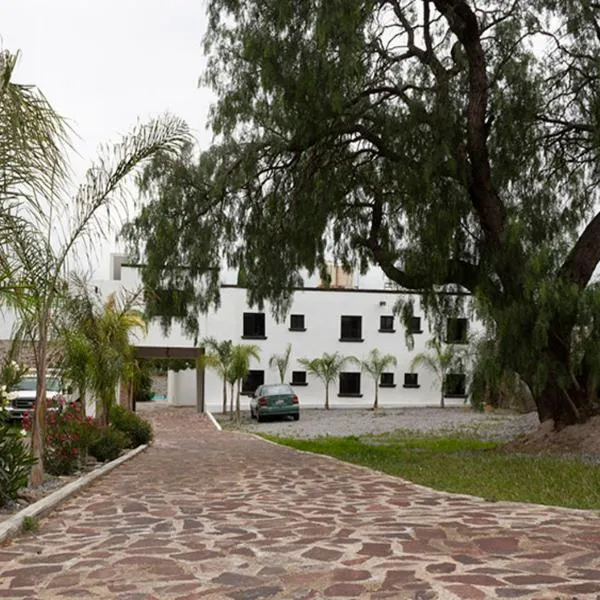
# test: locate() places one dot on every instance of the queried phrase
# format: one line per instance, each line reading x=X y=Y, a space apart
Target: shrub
x=108 y=444
x=15 y=463
x=68 y=436
x=138 y=430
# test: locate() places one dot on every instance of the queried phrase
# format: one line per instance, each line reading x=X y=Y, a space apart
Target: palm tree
x=77 y=361
x=218 y=358
x=375 y=364
x=439 y=360
x=327 y=368
x=281 y=361
x=239 y=368
x=40 y=227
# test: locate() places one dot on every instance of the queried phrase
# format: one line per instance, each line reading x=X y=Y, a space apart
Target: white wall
x=181 y=390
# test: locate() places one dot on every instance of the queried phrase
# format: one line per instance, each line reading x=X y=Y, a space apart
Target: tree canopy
x=453 y=143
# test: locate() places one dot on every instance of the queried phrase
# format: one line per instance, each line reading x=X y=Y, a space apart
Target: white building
x=350 y=320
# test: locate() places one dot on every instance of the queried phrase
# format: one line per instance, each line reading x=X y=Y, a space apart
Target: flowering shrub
x=15 y=463
x=68 y=436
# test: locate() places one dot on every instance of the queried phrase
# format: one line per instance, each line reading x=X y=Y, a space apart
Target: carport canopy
x=150 y=352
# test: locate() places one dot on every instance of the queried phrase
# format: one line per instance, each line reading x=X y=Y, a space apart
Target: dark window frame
x=253 y=333
x=345 y=327
x=391 y=383
x=415 y=325
x=457 y=330
x=463 y=387
x=408 y=384
x=297 y=327
x=246 y=391
x=299 y=383
x=344 y=380
x=389 y=329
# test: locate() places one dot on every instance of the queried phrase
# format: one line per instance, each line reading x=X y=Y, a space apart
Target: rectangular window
x=297 y=323
x=386 y=324
x=387 y=380
x=349 y=384
x=252 y=381
x=254 y=326
x=415 y=325
x=411 y=380
x=351 y=329
x=456 y=331
x=299 y=378
x=455 y=385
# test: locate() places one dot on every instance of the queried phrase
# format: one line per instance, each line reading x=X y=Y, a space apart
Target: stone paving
x=204 y=514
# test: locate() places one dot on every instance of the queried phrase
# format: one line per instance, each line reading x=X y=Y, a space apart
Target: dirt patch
x=576 y=440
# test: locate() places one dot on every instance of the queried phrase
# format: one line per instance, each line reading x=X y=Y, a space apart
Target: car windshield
x=275 y=390
x=29 y=384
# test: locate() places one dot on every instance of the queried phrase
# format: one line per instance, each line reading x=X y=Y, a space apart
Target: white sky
x=104 y=65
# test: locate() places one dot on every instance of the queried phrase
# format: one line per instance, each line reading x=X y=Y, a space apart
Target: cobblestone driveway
x=204 y=514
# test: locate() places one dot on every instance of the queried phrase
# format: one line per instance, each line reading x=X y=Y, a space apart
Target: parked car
x=22 y=396
x=277 y=399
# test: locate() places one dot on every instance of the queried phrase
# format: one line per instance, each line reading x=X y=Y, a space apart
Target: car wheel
x=259 y=419
x=296 y=417
x=251 y=414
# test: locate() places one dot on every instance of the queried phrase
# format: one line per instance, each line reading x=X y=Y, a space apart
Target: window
x=456 y=331
x=455 y=385
x=351 y=329
x=254 y=326
x=299 y=378
x=349 y=384
x=166 y=301
x=387 y=380
x=415 y=325
x=386 y=324
x=297 y=323
x=411 y=380
x=252 y=381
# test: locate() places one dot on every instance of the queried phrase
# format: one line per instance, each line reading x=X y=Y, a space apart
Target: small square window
x=351 y=329
x=456 y=331
x=387 y=380
x=455 y=385
x=297 y=323
x=252 y=381
x=411 y=380
x=254 y=325
x=349 y=384
x=299 y=378
x=386 y=324
x=415 y=325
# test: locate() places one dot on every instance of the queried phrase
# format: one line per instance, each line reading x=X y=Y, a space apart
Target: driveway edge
x=214 y=421
x=12 y=526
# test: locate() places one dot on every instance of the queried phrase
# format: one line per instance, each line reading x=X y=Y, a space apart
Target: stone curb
x=12 y=526
x=214 y=421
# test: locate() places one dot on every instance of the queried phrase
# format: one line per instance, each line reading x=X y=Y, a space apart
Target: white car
x=22 y=396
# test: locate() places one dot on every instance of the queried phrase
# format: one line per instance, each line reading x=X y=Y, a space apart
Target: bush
x=108 y=444
x=68 y=436
x=15 y=463
x=138 y=430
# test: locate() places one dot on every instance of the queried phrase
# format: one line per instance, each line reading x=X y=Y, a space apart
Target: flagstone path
x=204 y=514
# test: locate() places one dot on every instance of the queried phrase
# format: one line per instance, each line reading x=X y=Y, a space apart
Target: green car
x=276 y=400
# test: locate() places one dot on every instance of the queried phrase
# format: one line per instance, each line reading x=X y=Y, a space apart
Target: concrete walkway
x=204 y=514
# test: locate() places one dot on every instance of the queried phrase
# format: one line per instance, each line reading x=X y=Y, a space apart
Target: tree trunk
x=326 y=396
x=38 y=429
x=442 y=403
x=376 y=403
x=237 y=402
x=224 y=396
x=231 y=400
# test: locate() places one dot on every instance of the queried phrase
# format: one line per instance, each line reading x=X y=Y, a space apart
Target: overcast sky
x=104 y=64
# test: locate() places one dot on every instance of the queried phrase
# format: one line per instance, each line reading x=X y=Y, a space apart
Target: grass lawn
x=466 y=466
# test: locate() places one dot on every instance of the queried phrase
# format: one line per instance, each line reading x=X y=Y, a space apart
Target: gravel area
x=499 y=425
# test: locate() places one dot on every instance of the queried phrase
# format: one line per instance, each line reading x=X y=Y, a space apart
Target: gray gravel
x=499 y=425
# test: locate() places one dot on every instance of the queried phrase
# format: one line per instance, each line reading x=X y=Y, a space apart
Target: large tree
x=452 y=143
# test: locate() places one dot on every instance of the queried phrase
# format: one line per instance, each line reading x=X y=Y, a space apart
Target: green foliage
x=468 y=466
x=30 y=525
x=109 y=444
x=375 y=364
x=238 y=368
x=15 y=463
x=280 y=362
x=138 y=430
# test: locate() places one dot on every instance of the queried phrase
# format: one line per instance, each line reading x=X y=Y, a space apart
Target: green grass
x=467 y=466
x=30 y=525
